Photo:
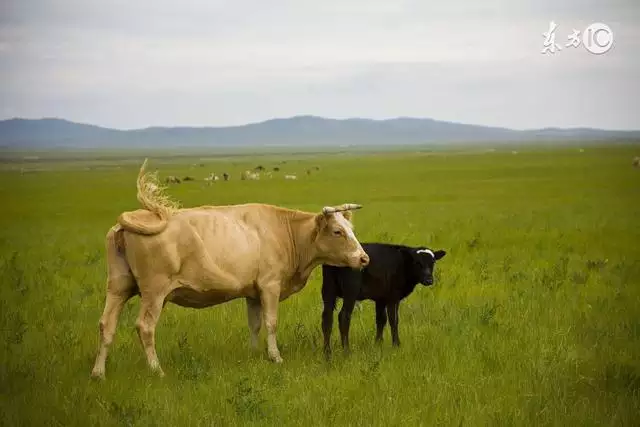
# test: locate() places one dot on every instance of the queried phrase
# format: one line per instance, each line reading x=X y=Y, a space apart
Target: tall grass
x=534 y=318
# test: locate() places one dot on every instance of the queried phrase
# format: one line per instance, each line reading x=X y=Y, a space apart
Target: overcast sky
x=131 y=64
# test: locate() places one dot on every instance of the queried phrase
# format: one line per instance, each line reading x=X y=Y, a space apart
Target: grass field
x=534 y=318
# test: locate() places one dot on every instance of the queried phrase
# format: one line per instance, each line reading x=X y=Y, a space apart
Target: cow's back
x=215 y=243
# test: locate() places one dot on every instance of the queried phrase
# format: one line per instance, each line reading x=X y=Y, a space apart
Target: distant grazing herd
x=261 y=171
x=247 y=175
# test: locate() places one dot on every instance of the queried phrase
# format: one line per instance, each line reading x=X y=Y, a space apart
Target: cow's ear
x=319 y=224
x=439 y=254
x=321 y=220
x=348 y=215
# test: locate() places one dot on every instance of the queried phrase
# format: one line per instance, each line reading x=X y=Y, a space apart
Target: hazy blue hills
x=298 y=131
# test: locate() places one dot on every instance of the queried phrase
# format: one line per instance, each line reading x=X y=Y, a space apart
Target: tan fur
x=118 y=239
x=203 y=256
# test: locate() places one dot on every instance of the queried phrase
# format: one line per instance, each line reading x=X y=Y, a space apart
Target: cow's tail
x=151 y=194
x=157 y=206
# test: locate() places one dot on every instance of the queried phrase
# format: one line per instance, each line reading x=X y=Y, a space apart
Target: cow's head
x=424 y=264
x=336 y=242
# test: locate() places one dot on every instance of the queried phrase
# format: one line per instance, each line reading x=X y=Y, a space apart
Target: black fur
x=392 y=274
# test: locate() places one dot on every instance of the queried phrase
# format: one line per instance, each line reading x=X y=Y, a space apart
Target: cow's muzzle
x=364 y=260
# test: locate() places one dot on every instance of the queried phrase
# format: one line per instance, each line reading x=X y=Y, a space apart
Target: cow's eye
x=337 y=232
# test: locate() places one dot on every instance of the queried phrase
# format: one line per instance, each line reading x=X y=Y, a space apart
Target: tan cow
x=203 y=256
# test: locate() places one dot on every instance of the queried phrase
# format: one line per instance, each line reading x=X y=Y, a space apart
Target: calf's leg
x=327 y=323
x=344 y=321
x=392 y=311
x=254 y=315
x=381 y=320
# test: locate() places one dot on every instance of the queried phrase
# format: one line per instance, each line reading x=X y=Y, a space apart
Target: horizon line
x=297 y=116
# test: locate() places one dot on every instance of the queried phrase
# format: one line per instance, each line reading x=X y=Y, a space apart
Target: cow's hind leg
x=254 y=315
x=118 y=293
x=150 y=309
x=121 y=286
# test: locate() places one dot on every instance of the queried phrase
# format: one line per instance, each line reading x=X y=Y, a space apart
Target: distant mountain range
x=299 y=131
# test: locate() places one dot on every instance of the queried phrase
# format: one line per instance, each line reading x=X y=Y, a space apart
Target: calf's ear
x=439 y=254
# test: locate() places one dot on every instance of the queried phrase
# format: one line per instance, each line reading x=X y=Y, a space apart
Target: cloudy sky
x=131 y=64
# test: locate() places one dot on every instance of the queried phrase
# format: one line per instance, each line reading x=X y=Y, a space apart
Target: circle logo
x=597 y=38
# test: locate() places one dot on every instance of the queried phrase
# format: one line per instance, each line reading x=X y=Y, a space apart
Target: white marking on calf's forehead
x=426 y=251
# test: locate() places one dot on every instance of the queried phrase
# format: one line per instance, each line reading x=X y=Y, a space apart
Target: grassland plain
x=534 y=318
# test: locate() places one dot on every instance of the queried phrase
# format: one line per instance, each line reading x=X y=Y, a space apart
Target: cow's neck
x=304 y=253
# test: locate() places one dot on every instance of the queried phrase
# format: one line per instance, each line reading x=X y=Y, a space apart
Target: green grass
x=534 y=318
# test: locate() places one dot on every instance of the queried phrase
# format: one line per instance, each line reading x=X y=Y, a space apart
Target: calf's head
x=335 y=241
x=424 y=264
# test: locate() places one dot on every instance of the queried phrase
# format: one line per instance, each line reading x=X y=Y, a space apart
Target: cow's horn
x=345 y=207
x=350 y=206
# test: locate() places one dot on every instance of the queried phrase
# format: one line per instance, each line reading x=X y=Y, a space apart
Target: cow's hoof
x=97 y=375
x=156 y=368
x=276 y=359
x=158 y=372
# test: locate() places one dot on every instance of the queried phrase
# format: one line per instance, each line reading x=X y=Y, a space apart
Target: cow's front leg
x=270 y=297
x=254 y=315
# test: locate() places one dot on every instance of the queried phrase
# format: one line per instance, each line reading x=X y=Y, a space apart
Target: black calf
x=392 y=274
